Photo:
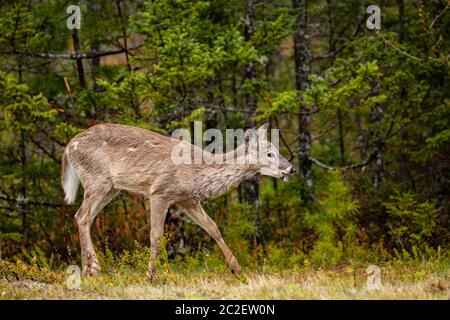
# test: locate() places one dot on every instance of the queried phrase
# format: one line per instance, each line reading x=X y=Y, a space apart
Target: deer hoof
x=235 y=267
x=240 y=276
x=237 y=272
x=151 y=272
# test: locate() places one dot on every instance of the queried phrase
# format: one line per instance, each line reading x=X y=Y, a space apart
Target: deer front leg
x=196 y=212
x=158 y=212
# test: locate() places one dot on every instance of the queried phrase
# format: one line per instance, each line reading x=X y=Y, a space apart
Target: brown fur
x=107 y=158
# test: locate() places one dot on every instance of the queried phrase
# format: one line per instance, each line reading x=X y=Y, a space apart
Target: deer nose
x=292 y=170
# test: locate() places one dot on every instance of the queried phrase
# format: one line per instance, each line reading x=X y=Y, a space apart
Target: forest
x=363 y=114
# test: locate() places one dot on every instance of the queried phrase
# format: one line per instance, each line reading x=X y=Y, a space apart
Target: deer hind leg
x=195 y=211
x=94 y=201
x=158 y=212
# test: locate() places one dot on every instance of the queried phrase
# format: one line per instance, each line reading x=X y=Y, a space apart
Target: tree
x=301 y=77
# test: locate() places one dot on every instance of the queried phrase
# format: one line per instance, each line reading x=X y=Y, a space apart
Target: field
x=423 y=280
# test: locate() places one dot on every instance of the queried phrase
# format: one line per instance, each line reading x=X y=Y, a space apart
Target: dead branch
x=73 y=55
x=33 y=203
x=351 y=166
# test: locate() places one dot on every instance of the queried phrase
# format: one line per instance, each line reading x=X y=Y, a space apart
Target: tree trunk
x=79 y=61
x=22 y=201
x=251 y=185
x=332 y=48
x=124 y=33
x=250 y=69
x=301 y=76
x=376 y=116
x=95 y=65
x=341 y=137
x=401 y=16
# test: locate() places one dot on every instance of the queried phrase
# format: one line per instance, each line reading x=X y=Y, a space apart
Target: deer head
x=264 y=156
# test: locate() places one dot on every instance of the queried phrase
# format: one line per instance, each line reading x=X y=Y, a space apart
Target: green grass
x=418 y=280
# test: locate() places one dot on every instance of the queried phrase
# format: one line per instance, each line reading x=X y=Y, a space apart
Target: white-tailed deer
x=107 y=158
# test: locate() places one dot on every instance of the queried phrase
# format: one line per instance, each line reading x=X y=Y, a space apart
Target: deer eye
x=271 y=154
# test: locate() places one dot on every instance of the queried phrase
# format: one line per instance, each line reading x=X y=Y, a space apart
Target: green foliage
x=196 y=115
x=334 y=224
x=19 y=26
x=412 y=223
x=280 y=102
x=239 y=229
x=367 y=93
x=22 y=110
x=32 y=270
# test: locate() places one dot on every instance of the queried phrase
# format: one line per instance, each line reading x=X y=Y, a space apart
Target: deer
x=109 y=158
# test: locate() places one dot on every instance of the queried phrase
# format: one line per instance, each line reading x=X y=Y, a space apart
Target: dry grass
x=398 y=282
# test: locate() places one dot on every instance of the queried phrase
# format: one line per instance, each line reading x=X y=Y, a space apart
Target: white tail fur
x=71 y=181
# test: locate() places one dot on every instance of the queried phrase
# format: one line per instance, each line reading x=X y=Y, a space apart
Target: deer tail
x=69 y=180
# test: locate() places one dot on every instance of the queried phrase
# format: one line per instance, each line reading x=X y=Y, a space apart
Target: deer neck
x=215 y=179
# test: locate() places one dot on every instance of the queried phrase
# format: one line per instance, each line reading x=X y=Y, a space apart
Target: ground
x=421 y=281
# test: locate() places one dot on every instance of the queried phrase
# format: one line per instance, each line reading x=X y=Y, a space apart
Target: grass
x=418 y=280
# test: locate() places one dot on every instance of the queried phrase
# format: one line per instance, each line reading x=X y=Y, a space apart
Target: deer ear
x=262 y=130
x=250 y=138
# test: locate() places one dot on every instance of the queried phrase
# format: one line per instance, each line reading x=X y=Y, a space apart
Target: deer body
x=108 y=158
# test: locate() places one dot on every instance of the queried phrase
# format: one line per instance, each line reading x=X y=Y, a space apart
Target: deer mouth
x=284 y=176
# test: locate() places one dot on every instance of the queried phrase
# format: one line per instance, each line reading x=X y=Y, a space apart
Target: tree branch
x=438 y=16
x=351 y=166
x=33 y=203
x=393 y=46
x=45 y=151
x=73 y=55
x=291 y=155
x=332 y=53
